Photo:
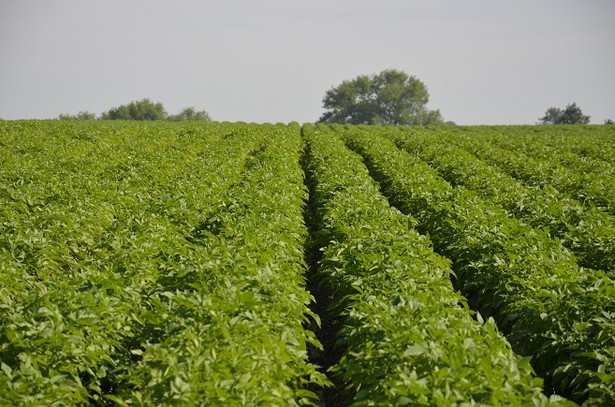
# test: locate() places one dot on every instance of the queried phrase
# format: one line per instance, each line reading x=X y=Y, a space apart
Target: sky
x=483 y=61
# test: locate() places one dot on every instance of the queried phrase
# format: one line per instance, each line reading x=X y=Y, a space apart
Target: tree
x=390 y=97
x=140 y=110
x=190 y=114
x=572 y=114
x=82 y=115
x=553 y=115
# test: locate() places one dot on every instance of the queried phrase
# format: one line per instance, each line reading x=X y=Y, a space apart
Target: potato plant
x=552 y=310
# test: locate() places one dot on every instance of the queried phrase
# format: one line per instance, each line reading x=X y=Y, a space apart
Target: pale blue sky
x=484 y=61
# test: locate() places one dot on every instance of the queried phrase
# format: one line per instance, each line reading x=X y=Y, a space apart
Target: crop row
x=580 y=148
x=164 y=264
x=75 y=228
x=407 y=337
x=234 y=333
x=174 y=272
x=561 y=315
x=590 y=187
x=587 y=231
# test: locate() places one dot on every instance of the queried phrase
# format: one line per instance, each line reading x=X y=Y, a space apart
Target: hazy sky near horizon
x=483 y=61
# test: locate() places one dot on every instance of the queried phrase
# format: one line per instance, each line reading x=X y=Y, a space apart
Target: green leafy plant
x=119 y=288
x=407 y=337
x=586 y=230
x=549 y=308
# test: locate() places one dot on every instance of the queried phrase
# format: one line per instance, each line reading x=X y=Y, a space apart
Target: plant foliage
x=165 y=263
x=390 y=97
x=551 y=310
x=572 y=114
x=405 y=338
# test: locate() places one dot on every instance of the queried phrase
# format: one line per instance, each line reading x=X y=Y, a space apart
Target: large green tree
x=390 y=97
x=572 y=114
x=143 y=109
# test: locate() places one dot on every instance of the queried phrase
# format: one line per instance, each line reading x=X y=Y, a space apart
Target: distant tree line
x=393 y=97
x=389 y=98
x=144 y=110
x=78 y=116
x=572 y=114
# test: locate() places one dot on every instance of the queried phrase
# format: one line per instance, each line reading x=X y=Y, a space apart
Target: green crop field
x=257 y=264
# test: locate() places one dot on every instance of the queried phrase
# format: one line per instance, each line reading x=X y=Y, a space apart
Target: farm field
x=260 y=264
